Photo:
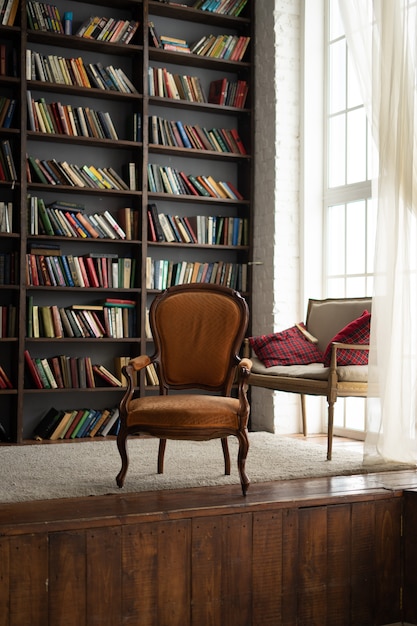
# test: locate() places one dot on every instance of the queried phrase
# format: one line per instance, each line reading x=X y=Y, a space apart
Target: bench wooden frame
x=324 y=319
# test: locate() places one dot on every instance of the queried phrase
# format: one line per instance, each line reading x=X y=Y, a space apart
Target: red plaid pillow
x=357 y=331
x=289 y=347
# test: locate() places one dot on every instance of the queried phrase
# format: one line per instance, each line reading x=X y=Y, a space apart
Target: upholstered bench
x=330 y=325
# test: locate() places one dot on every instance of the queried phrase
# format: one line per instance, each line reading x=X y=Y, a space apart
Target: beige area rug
x=41 y=472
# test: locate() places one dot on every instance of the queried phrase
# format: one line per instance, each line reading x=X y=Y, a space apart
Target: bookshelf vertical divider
x=92 y=136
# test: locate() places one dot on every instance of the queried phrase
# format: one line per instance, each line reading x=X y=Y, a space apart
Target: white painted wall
x=277 y=301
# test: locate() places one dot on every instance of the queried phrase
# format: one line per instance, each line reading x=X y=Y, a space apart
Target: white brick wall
x=276 y=284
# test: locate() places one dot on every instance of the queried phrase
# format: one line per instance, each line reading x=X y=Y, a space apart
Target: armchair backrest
x=198 y=330
x=326 y=317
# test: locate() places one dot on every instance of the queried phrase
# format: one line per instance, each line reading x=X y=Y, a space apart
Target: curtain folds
x=382 y=40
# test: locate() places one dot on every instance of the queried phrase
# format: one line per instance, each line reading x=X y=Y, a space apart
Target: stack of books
x=68 y=372
x=59 y=119
x=74 y=72
x=108 y=29
x=165 y=84
x=77 y=423
x=166 y=179
x=53 y=172
x=176 y=133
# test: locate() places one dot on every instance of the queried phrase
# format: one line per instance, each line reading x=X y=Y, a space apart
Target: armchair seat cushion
x=313 y=371
x=184 y=410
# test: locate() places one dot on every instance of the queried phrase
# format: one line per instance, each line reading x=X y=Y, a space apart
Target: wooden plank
x=4 y=581
x=29 y=580
x=130 y=508
x=139 y=574
x=363 y=563
x=388 y=561
x=338 y=565
x=67 y=576
x=236 y=560
x=206 y=571
x=103 y=579
x=173 y=574
x=290 y=543
x=312 y=564
x=267 y=568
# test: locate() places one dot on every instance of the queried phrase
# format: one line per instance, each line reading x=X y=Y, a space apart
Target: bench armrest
x=336 y=345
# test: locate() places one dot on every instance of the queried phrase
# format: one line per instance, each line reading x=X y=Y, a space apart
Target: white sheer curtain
x=382 y=37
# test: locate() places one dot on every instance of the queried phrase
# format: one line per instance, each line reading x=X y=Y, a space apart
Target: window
x=349 y=213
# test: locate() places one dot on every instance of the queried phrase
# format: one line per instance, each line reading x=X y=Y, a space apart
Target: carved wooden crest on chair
x=198 y=330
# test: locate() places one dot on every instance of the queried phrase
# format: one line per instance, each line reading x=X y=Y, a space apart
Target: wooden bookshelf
x=106 y=138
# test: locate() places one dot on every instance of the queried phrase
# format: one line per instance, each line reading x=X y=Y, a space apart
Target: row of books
x=7 y=166
x=8 y=11
x=7 y=111
x=113 y=320
x=76 y=424
x=230 y=47
x=108 y=29
x=53 y=172
x=44 y=16
x=6 y=217
x=166 y=179
x=68 y=372
x=162 y=273
x=231 y=93
x=197 y=229
x=165 y=84
x=63 y=220
x=90 y=271
x=8 y=268
x=8 y=316
x=74 y=72
x=175 y=133
x=55 y=118
x=224 y=7
x=5 y=382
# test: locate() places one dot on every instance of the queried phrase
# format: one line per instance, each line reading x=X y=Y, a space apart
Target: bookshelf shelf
x=132 y=112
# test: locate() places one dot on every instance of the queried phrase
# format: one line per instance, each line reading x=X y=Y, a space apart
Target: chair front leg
x=121 y=444
x=161 y=455
x=226 y=455
x=241 y=460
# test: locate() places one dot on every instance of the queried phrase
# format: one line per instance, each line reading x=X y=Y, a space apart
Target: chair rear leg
x=161 y=455
x=304 y=414
x=330 y=431
x=226 y=455
x=241 y=460
x=121 y=445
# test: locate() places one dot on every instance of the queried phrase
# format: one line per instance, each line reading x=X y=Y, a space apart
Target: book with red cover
x=74 y=423
x=5 y=378
x=101 y=371
x=32 y=370
x=217 y=91
x=91 y=270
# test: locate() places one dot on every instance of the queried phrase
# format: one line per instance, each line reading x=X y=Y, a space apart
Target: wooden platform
x=326 y=551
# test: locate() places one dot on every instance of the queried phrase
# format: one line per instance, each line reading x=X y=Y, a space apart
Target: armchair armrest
x=139 y=362
x=135 y=365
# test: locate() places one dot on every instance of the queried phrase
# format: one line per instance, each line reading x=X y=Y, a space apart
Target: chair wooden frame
x=214 y=319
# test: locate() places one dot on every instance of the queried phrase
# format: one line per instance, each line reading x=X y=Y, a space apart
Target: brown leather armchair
x=198 y=330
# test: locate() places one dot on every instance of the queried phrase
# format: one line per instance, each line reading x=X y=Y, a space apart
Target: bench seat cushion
x=313 y=371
